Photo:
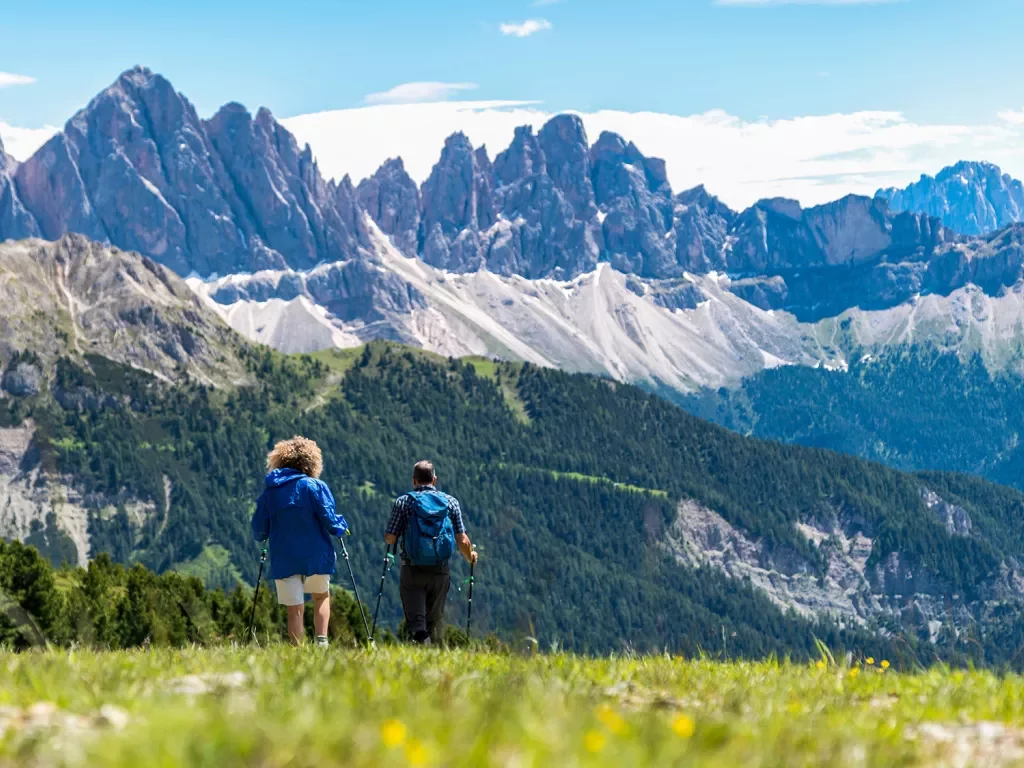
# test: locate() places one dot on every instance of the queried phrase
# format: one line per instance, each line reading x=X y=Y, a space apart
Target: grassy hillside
x=400 y=707
x=570 y=485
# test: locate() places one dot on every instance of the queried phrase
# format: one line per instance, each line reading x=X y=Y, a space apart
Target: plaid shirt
x=403 y=508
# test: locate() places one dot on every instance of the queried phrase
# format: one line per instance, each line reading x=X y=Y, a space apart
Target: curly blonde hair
x=299 y=453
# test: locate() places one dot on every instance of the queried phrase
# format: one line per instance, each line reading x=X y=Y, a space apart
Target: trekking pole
x=388 y=560
x=469 y=610
x=255 y=597
x=355 y=589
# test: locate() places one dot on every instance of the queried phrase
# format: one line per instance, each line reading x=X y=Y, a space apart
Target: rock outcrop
x=851 y=583
x=15 y=220
x=77 y=298
x=970 y=198
x=392 y=199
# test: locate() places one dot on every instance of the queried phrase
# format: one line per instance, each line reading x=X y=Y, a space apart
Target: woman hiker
x=296 y=512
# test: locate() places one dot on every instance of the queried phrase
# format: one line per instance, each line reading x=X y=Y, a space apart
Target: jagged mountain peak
x=565 y=127
x=232 y=110
x=609 y=142
x=970 y=197
x=458 y=141
x=523 y=157
x=975 y=168
x=700 y=196
x=131 y=83
x=265 y=116
x=392 y=199
x=140 y=74
x=391 y=165
x=137 y=167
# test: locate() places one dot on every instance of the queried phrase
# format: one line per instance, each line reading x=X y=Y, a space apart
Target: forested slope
x=570 y=485
x=914 y=408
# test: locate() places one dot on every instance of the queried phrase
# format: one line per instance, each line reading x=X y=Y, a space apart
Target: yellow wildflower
x=683 y=726
x=854 y=671
x=870 y=659
x=392 y=733
x=885 y=664
x=594 y=741
x=820 y=665
x=611 y=720
x=415 y=752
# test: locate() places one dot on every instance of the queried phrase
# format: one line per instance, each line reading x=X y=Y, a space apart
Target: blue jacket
x=297 y=514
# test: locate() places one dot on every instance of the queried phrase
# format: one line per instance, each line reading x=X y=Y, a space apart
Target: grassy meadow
x=394 y=706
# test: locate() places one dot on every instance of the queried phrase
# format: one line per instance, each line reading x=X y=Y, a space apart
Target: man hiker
x=430 y=525
x=296 y=512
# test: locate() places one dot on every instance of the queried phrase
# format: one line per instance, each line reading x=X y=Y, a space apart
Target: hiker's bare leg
x=296 y=630
x=321 y=613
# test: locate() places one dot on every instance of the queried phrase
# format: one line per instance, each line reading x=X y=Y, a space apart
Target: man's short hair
x=423 y=473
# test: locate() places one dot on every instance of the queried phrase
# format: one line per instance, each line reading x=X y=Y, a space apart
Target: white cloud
x=1013 y=117
x=7 y=79
x=20 y=143
x=527 y=28
x=813 y=159
x=408 y=93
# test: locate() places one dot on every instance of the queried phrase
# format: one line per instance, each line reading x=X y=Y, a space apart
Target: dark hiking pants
x=424 y=590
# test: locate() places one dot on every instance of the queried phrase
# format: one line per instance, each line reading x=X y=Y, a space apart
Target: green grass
x=397 y=707
x=485 y=367
x=68 y=444
x=338 y=360
x=506 y=375
x=587 y=479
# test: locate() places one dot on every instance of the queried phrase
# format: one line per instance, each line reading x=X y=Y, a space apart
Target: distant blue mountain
x=970 y=198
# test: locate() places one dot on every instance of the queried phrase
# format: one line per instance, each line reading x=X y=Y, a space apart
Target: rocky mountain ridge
x=137 y=167
x=971 y=198
x=489 y=255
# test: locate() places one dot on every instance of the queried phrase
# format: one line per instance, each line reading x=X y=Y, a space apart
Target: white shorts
x=293 y=590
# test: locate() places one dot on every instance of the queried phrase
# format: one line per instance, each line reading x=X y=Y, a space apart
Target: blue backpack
x=429 y=537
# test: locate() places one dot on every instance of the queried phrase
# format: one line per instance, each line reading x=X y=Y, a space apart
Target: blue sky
x=932 y=62
x=931 y=59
